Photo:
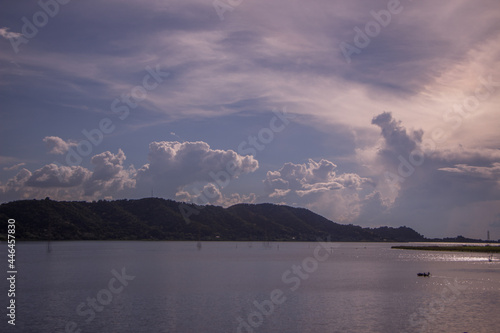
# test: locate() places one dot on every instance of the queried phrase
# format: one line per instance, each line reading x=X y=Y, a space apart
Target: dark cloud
x=397 y=140
x=496 y=222
x=441 y=182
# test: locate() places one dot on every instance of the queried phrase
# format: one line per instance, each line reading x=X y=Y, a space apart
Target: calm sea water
x=250 y=287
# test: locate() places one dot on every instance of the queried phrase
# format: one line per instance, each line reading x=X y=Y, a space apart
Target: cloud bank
x=429 y=161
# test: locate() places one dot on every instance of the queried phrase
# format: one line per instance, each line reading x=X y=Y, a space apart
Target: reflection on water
x=440 y=256
x=216 y=286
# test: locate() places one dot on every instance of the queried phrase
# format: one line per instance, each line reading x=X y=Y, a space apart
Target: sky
x=367 y=112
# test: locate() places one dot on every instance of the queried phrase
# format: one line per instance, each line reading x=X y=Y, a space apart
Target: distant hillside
x=160 y=219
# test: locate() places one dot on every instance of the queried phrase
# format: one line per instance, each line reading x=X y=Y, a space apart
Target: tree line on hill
x=161 y=219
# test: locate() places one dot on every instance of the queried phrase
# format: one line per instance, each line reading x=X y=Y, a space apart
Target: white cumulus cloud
x=317 y=186
x=173 y=165
x=211 y=194
x=52 y=175
x=56 y=145
x=109 y=174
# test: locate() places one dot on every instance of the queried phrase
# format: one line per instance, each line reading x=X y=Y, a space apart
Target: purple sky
x=366 y=112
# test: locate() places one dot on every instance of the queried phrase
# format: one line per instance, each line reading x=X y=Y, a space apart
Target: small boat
x=424 y=274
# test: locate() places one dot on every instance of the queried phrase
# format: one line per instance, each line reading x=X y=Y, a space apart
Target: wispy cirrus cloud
x=488 y=172
x=14 y=167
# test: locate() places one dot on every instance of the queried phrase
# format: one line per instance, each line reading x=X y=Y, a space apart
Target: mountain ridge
x=161 y=219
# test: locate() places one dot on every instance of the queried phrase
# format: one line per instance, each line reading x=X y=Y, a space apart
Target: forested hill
x=159 y=219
